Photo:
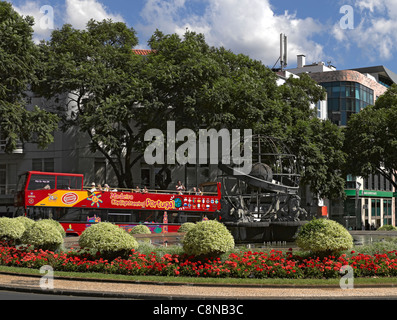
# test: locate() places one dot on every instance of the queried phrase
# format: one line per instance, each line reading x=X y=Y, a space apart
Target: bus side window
x=68 y=183
x=119 y=216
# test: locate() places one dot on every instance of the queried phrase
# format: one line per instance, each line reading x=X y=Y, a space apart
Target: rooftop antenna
x=283 y=52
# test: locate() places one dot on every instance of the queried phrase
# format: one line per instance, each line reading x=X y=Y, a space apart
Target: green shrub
x=186 y=227
x=110 y=240
x=11 y=230
x=387 y=227
x=57 y=225
x=208 y=238
x=27 y=222
x=140 y=229
x=324 y=237
x=43 y=235
x=378 y=247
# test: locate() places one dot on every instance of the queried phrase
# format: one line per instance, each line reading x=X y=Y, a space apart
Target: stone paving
x=136 y=290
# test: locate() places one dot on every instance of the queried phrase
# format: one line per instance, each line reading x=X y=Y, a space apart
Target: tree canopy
x=371 y=139
x=116 y=96
x=19 y=62
x=97 y=69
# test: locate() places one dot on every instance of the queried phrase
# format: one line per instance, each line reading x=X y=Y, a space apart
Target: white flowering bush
x=324 y=237
x=185 y=227
x=108 y=239
x=57 y=225
x=11 y=230
x=140 y=229
x=27 y=222
x=43 y=235
x=387 y=227
x=208 y=238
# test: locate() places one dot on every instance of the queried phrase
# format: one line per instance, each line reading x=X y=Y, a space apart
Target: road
x=147 y=290
x=13 y=295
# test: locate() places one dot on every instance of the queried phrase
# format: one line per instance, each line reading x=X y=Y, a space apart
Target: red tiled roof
x=142 y=52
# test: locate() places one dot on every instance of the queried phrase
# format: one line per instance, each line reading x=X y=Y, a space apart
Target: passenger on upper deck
x=180 y=187
x=93 y=189
x=197 y=192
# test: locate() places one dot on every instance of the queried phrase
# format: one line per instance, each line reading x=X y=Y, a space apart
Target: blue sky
x=251 y=27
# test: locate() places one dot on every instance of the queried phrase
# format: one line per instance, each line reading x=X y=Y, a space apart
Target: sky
x=345 y=33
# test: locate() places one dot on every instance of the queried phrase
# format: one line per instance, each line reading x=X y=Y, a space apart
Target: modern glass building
x=370 y=201
x=346 y=98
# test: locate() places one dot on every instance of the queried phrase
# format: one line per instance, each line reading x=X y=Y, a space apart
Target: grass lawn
x=375 y=281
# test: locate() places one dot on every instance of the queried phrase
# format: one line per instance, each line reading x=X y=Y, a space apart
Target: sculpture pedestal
x=260 y=232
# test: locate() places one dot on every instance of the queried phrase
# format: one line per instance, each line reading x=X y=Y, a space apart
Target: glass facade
x=346 y=98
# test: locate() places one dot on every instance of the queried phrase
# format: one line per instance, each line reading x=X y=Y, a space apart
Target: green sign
x=370 y=193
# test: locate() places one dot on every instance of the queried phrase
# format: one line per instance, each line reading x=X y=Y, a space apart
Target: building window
x=145 y=177
x=387 y=212
x=366 y=207
x=3 y=178
x=372 y=182
x=45 y=165
x=100 y=171
x=346 y=99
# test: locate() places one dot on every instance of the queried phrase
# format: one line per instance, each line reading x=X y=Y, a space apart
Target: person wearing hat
x=93 y=189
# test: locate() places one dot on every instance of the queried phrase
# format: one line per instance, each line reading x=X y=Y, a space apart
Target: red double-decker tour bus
x=63 y=197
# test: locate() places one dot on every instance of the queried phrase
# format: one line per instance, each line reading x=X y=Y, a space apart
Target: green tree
x=98 y=70
x=371 y=139
x=317 y=144
x=210 y=87
x=215 y=88
x=118 y=95
x=319 y=147
x=19 y=63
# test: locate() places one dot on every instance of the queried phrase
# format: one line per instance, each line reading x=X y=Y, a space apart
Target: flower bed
x=274 y=264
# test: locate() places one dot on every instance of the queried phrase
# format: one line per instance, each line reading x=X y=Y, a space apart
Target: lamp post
x=358 y=212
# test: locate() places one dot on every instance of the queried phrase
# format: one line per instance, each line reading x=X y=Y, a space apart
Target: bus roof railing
x=153 y=191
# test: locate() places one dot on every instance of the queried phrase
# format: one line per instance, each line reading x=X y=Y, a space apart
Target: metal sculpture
x=270 y=192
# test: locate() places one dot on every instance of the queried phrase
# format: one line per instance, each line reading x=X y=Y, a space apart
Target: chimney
x=301 y=60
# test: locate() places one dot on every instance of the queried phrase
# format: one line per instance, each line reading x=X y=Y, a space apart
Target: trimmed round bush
x=27 y=222
x=387 y=227
x=110 y=240
x=43 y=235
x=57 y=225
x=324 y=237
x=140 y=229
x=185 y=227
x=208 y=238
x=11 y=230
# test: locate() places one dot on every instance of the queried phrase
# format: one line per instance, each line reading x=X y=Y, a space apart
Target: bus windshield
x=41 y=182
x=22 y=182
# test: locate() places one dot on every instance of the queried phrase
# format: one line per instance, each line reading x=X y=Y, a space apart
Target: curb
x=106 y=295
x=209 y=285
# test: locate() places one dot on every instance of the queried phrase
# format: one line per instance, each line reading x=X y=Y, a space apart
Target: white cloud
x=243 y=26
x=79 y=12
x=44 y=18
x=76 y=12
x=375 y=30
